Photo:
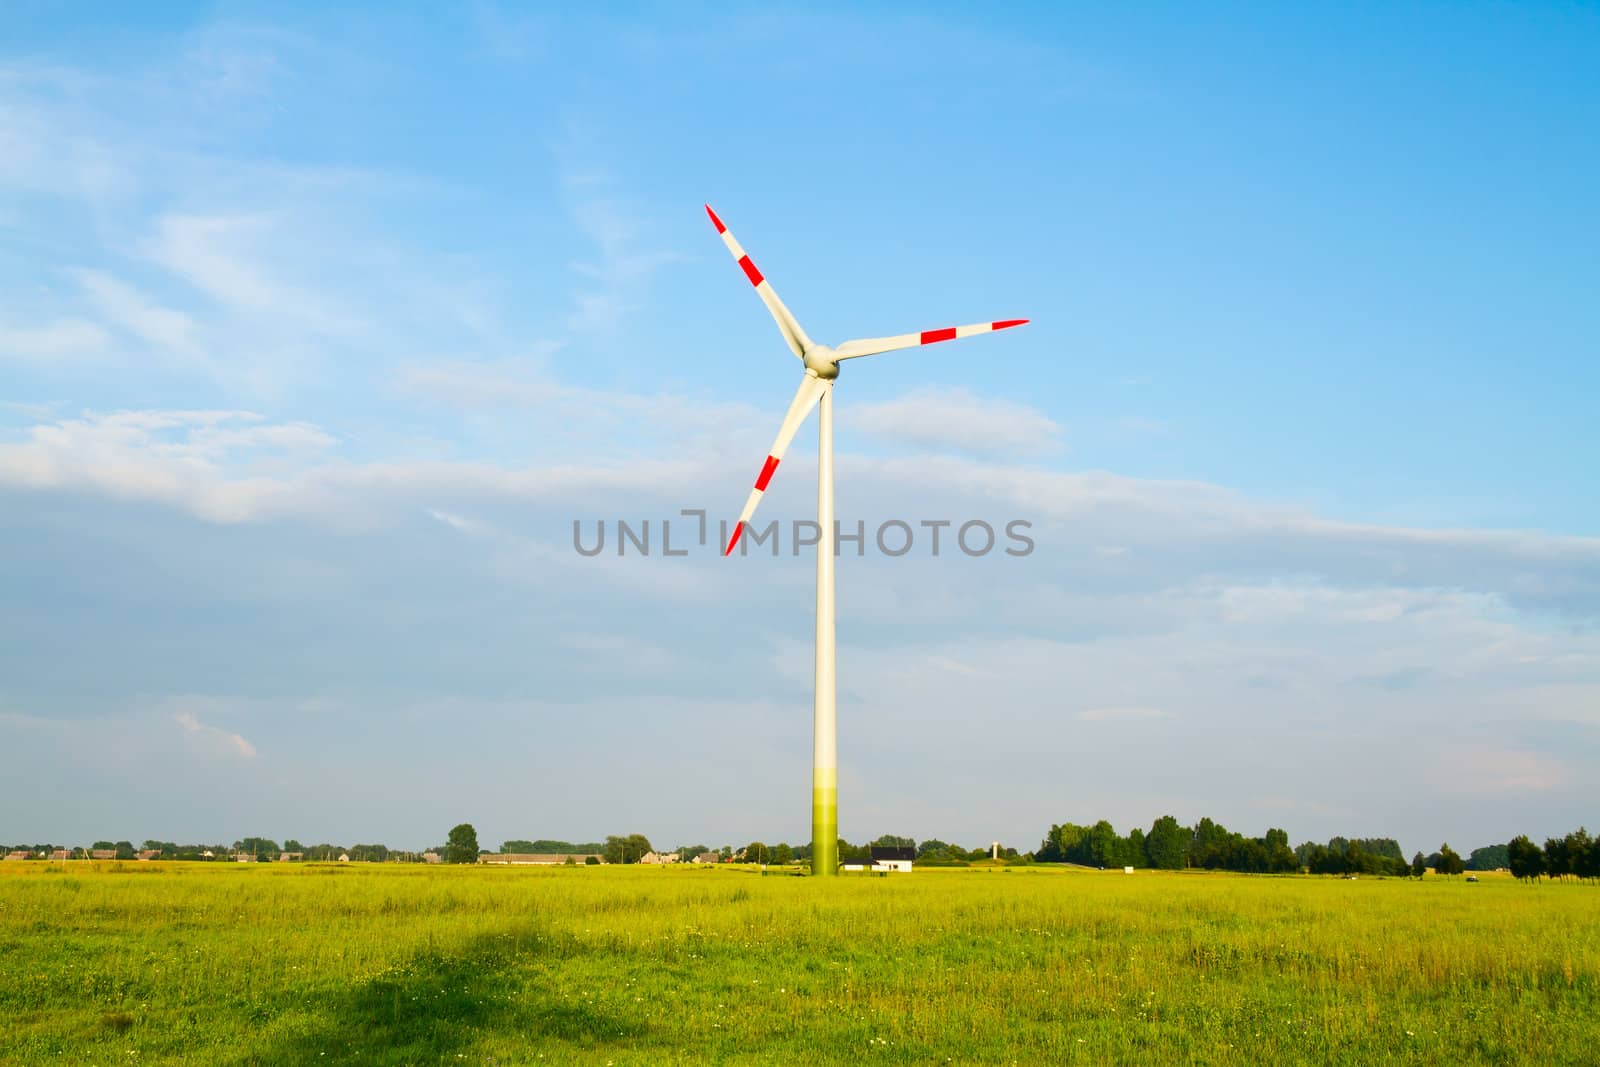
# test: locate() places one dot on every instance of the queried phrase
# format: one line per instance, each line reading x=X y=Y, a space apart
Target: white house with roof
x=893 y=858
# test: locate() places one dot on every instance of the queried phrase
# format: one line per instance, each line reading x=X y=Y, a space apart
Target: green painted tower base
x=824 y=824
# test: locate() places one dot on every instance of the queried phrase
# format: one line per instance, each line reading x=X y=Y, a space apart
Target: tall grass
x=245 y=964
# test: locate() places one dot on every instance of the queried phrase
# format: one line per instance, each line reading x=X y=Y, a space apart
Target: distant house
x=432 y=857
x=148 y=854
x=535 y=859
x=103 y=854
x=660 y=857
x=885 y=858
x=291 y=857
x=707 y=857
x=344 y=857
x=61 y=854
x=853 y=865
x=243 y=857
x=20 y=854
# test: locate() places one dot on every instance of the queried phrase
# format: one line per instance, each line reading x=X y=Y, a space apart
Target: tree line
x=1576 y=855
x=1167 y=845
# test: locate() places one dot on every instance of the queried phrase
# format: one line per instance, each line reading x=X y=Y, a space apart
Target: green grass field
x=233 y=964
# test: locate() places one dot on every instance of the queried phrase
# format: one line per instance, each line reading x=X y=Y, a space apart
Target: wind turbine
x=816 y=390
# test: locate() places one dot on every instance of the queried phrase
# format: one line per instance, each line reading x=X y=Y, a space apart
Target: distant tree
x=124 y=850
x=932 y=844
x=517 y=846
x=291 y=845
x=1449 y=862
x=849 y=853
x=1524 y=857
x=1419 y=866
x=591 y=860
x=782 y=854
x=689 y=852
x=757 y=852
x=261 y=847
x=628 y=849
x=462 y=846
x=1280 y=857
x=1386 y=847
x=891 y=841
x=1066 y=843
x=1210 y=846
x=1137 y=853
x=1167 y=844
x=1556 y=863
x=1105 y=847
x=1583 y=854
x=1488 y=858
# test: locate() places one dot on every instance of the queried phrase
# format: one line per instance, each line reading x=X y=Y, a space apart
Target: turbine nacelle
x=820 y=360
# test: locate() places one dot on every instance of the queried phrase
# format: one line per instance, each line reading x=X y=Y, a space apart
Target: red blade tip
x=1008 y=323
x=738 y=530
x=715 y=221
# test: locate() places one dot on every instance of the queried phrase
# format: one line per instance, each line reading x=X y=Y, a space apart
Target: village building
x=432 y=857
x=103 y=854
x=660 y=857
x=148 y=854
x=61 y=854
x=537 y=859
x=893 y=859
x=707 y=857
x=291 y=857
x=20 y=854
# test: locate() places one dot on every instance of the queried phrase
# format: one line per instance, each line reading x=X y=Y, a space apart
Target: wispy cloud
x=64 y=339
x=212 y=740
x=955 y=418
x=616 y=281
x=166 y=331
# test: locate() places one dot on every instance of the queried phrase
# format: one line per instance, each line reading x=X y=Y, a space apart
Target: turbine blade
x=805 y=398
x=871 y=346
x=792 y=333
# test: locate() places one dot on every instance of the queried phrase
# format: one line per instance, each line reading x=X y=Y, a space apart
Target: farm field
x=387 y=964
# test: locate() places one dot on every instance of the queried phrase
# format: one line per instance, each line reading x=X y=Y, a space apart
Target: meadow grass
x=242 y=964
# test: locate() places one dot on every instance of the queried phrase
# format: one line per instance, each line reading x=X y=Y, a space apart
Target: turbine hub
x=819 y=360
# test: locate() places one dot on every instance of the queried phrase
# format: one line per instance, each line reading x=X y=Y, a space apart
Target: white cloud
x=55 y=341
x=214 y=741
x=165 y=330
x=190 y=459
x=225 y=256
x=941 y=417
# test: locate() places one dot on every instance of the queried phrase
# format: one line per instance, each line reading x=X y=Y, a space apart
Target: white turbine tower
x=816 y=388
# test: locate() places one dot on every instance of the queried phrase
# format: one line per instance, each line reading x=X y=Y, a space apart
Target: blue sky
x=318 y=330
